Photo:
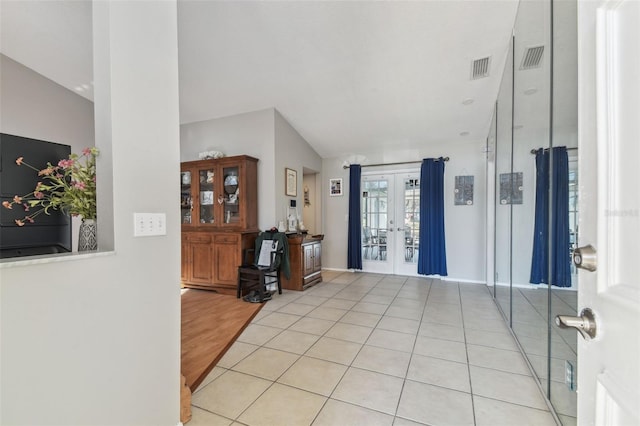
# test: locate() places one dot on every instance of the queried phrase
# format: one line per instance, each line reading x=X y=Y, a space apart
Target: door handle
x=585 y=258
x=585 y=323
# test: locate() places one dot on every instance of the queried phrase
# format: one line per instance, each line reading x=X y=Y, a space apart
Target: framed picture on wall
x=335 y=187
x=290 y=182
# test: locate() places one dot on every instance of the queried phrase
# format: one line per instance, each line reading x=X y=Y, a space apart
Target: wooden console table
x=305 y=254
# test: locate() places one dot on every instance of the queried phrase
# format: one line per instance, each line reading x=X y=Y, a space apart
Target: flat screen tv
x=49 y=233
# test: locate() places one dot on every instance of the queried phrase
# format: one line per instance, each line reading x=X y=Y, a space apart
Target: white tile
x=335 y=350
x=361 y=318
x=200 y=417
x=443 y=349
x=283 y=405
x=216 y=372
x=292 y=341
x=256 y=334
x=441 y=331
x=491 y=339
x=369 y=389
x=341 y=413
x=278 y=320
x=312 y=326
x=314 y=375
x=383 y=360
x=434 y=405
x=331 y=314
x=401 y=325
x=230 y=394
x=439 y=372
x=296 y=308
x=370 y=308
x=392 y=340
x=498 y=359
x=491 y=412
x=339 y=303
x=507 y=387
x=236 y=353
x=349 y=332
x=266 y=363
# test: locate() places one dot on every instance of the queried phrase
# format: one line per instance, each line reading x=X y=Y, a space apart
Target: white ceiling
x=351 y=77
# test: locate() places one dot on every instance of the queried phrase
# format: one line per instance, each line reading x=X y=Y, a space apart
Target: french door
x=390 y=207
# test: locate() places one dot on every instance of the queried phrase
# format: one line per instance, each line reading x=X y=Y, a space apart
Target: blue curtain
x=556 y=180
x=354 y=241
x=432 y=257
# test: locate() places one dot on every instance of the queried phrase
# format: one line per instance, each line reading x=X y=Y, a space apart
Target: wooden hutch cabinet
x=305 y=253
x=219 y=211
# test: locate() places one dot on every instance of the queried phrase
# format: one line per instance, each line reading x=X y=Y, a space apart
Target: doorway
x=390 y=205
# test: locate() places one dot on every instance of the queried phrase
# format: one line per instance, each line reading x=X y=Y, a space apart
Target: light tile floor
x=367 y=349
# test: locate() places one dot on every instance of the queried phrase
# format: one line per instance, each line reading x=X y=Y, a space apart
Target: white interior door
x=390 y=223
x=609 y=364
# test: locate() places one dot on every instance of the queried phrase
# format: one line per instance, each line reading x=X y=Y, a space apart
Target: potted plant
x=69 y=186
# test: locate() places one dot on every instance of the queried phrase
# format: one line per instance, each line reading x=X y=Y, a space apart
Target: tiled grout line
x=466 y=350
x=406 y=373
x=371 y=288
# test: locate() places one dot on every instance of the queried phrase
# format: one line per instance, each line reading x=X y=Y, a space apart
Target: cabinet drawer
x=200 y=238
x=226 y=239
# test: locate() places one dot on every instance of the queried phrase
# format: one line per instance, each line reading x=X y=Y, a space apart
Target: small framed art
x=290 y=182
x=335 y=187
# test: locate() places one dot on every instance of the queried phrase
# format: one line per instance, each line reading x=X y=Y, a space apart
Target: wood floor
x=211 y=322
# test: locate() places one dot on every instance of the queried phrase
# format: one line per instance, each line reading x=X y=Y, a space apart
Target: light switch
x=149 y=224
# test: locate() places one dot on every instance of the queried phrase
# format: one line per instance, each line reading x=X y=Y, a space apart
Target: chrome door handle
x=585 y=258
x=585 y=323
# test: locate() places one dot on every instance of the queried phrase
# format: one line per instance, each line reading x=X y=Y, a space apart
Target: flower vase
x=88 y=238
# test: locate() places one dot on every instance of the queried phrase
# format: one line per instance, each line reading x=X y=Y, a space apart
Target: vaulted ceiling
x=351 y=77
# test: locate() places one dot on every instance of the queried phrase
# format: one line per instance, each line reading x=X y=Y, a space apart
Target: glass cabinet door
x=206 y=195
x=186 y=202
x=231 y=195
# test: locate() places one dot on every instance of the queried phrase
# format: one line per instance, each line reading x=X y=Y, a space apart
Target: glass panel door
x=186 y=201
x=231 y=195
x=390 y=223
x=376 y=194
x=407 y=235
x=206 y=197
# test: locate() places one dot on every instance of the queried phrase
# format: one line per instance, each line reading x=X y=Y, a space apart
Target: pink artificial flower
x=19 y=222
x=46 y=172
x=19 y=161
x=86 y=151
x=6 y=205
x=80 y=185
x=39 y=195
x=65 y=164
x=25 y=206
x=17 y=199
x=29 y=219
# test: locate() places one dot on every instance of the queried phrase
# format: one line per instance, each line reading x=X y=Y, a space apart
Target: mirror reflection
x=536 y=182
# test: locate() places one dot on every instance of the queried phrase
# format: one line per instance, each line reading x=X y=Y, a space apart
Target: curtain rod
x=394 y=164
x=533 y=151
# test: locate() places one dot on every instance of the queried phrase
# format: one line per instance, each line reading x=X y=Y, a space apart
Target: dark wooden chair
x=263 y=272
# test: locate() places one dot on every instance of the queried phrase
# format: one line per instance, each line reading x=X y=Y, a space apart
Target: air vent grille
x=480 y=68
x=532 y=58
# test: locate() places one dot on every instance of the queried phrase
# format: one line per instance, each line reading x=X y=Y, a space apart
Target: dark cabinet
x=305 y=254
x=219 y=206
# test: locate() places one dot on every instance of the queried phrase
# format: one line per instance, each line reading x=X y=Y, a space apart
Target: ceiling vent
x=480 y=68
x=532 y=58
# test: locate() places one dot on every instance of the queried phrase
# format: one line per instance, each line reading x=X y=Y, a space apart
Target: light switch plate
x=149 y=224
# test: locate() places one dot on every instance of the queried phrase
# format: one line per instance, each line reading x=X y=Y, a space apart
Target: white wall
x=309 y=216
x=293 y=152
x=464 y=225
x=96 y=339
x=251 y=134
x=36 y=107
x=263 y=134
